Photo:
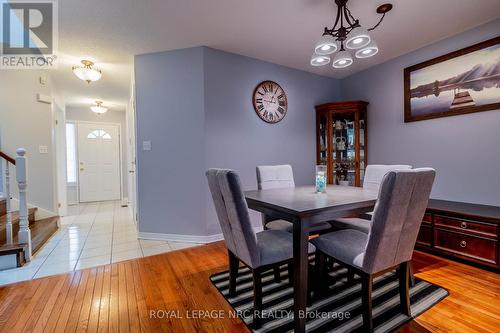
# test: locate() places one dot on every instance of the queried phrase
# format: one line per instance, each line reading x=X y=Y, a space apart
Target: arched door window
x=99 y=134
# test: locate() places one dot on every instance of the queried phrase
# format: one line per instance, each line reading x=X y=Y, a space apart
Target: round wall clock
x=269 y=102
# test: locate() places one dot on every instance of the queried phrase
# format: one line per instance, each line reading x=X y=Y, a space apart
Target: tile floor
x=91 y=235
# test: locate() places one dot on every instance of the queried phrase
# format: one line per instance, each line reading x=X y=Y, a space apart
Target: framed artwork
x=464 y=81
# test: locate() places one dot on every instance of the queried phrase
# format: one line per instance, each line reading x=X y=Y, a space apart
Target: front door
x=98 y=162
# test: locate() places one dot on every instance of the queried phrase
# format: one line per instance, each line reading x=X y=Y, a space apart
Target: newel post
x=24 y=228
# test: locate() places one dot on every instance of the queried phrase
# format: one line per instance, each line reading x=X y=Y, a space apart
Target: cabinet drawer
x=466 y=226
x=425 y=235
x=481 y=249
x=427 y=217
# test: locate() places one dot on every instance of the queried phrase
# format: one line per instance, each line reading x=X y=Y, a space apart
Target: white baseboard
x=40 y=213
x=185 y=238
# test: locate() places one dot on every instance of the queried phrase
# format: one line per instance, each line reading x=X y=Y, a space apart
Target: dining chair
x=281 y=176
x=374 y=174
x=260 y=252
x=389 y=244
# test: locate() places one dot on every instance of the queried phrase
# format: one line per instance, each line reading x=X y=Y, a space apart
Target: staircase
x=20 y=234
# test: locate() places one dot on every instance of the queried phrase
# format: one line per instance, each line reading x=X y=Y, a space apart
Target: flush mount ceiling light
x=347 y=32
x=98 y=108
x=87 y=72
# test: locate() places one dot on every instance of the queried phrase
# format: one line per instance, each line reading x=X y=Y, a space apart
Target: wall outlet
x=43 y=149
x=146 y=145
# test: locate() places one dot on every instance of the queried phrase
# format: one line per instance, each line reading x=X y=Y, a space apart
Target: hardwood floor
x=130 y=296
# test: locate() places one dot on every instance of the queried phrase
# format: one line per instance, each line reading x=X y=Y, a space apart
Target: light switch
x=146 y=145
x=43 y=149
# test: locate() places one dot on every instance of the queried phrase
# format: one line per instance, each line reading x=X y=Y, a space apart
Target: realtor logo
x=29 y=34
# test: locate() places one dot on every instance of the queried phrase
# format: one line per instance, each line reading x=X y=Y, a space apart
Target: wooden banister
x=7 y=158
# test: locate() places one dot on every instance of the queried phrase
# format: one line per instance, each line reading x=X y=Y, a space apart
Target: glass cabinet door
x=344 y=156
x=323 y=139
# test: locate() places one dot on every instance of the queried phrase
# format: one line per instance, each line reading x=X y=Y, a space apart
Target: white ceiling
x=279 y=31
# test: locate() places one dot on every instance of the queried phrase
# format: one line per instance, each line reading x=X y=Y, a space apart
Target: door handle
x=131 y=171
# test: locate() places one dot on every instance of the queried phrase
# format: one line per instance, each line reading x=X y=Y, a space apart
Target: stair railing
x=24 y=235
x=8 y=217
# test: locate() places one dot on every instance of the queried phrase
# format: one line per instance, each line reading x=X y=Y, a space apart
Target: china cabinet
x=341 y=141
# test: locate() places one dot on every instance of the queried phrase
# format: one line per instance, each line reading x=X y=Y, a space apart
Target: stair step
x=3 y=206
x=14 y=249
x=15 y=223
x=42 y=230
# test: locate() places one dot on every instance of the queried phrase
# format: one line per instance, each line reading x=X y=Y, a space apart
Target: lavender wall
x=170 y=113
x=237 y=138
x=195 y=105
x=464 y=149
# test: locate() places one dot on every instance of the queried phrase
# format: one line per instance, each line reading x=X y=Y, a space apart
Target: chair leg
x=350 y=276
x=233 y=273
x=290 y=272
x=277 y=274
x=319 y=264
x=366 y=294
x=411 y=275
x=257 y=298
x=404 y=290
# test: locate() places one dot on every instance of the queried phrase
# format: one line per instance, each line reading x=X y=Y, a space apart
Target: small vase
x=320 y=178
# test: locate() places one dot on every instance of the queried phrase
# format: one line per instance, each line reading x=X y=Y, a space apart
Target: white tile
x=93 y=252
x=93 y=261
x=59 y=257
x=181 y=245
x=16 y=275
x=54 y=269
x=133 y=244
x=149 y=243
x=126 y=255
x=149 y=251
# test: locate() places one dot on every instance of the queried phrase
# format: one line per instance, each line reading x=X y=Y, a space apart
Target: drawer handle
x=463 y=244
x=463 y=225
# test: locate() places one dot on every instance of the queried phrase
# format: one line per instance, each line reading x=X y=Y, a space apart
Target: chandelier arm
x=336 y=19
x=347 y=14
x=376 y=25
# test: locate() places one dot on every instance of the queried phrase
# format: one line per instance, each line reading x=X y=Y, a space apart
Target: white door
x=98 y=162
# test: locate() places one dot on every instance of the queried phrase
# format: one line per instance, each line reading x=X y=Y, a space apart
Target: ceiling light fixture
x=87 y=72
x=98 y=108
x=319 y=60
x=347 y=32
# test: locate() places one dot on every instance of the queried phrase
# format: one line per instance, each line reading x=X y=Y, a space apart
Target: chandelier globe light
x=368 y=51
x=319 y=60
x=326 y=45
x=346 y=33
x=342 y=59
x=98 y=108
x=87 y=72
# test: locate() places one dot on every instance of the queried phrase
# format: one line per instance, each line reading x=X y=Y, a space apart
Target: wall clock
x=269 y=102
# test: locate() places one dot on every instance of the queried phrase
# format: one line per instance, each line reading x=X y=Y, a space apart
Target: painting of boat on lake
x=464 y=81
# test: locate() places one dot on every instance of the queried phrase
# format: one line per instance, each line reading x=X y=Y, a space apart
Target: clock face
x=269 y=101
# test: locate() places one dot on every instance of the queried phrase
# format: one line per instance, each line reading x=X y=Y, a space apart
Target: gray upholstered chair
x=280 y=176
x=261 y=251
x=373 y=178
x=398 y=213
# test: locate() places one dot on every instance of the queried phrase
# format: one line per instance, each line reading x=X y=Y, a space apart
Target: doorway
x=99 y=162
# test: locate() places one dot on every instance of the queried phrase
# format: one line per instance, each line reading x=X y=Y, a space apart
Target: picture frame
x=460 y=82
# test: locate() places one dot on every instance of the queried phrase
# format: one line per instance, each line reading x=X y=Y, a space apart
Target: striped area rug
x=339 y=310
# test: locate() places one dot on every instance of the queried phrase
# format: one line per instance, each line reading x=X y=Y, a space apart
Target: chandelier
x=348 y=33
x=87 y=72
x=98 y=108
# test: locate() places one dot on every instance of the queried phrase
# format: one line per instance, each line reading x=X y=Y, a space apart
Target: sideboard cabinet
x=341 y=141
x=468 y=232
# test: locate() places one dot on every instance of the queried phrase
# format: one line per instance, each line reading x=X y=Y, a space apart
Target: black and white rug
x=338 y=311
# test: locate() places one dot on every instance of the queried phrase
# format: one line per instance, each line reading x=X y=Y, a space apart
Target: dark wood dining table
x=303 y=207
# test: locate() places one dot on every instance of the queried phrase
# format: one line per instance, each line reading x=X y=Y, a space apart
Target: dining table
x=304 y=207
